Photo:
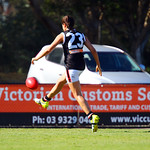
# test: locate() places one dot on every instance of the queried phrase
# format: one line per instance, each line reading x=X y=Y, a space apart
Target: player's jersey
x=73 y=48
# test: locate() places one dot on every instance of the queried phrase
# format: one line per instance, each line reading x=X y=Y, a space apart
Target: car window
x=111 y=61
x=56 y=56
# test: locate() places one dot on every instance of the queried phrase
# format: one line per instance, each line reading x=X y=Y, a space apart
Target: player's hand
x=99 y=69
x=33 y=59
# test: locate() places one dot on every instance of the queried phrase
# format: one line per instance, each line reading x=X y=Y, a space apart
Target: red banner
x=101 y=98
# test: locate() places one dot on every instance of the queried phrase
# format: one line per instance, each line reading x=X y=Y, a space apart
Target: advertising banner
x=101 y=98
x=106 y=100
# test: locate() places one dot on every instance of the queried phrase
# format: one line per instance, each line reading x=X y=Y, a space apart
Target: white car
x=117 y=67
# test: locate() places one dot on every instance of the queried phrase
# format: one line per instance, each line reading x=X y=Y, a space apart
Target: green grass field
x=74 y=139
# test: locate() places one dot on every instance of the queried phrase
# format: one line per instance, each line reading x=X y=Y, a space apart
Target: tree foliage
x=129 y=25
x=125 y=24
x=34 y=23
x=22 y=36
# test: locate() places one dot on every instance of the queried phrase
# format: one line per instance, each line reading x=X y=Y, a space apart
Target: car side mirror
x=142 y=66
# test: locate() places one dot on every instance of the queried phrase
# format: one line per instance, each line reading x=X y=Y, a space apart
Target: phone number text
x=66 y=120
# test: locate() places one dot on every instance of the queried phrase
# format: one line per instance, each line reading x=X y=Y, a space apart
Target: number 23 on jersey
x=76 y=40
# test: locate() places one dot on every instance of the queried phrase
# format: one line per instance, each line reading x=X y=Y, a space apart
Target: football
x=31 y=83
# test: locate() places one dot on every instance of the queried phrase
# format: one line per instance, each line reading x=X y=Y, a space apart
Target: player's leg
x=76 y=90
x=56 y=89
x=58 y=86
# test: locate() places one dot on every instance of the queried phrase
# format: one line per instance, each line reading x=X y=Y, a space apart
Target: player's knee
x=61 y=82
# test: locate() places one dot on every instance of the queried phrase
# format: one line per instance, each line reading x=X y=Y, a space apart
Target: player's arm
x=48 y=48
x=94 y=53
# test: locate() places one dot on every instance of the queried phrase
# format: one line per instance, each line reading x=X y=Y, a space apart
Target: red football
x=31 y=83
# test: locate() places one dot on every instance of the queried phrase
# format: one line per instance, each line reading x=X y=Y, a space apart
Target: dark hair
x=69 y=21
